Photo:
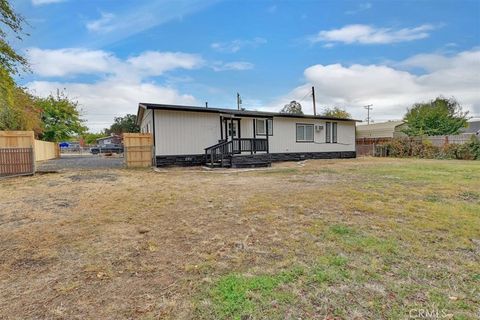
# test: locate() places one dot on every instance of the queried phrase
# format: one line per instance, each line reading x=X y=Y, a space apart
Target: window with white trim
x=328 y=132
x=260 y=127
x=331 y=132
x=334 y=132
x=304 y=132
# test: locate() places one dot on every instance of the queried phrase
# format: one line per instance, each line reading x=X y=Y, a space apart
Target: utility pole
x=368 y=107
x=239 y=101
x=314 y=104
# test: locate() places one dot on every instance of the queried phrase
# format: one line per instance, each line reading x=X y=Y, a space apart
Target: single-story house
x=186 y=135
x=473 y=127
x=389 y=129
x=113 y=139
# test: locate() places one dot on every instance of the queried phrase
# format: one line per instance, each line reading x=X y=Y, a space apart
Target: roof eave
x=233 y=112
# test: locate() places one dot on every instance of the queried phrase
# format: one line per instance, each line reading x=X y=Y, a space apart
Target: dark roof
x=234 y=112
x=473 y=127
x=109 y=137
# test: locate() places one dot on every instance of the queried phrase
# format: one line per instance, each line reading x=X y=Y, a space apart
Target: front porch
x=232 y=148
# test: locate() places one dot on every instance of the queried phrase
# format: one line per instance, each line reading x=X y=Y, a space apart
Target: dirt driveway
x=324 y=239
x=84 y=161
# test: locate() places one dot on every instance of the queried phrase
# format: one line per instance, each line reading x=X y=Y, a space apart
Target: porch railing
x=218 y=152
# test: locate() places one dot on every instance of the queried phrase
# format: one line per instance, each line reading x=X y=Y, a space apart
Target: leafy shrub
x=474 y=146
x=449 y=151
x=416 y=147
x=429 y=151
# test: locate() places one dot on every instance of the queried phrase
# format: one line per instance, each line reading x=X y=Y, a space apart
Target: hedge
x=417 y=147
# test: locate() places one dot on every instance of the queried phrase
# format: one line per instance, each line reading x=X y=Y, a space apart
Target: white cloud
x=42 y=2
x=157 y=63
x=102 y=101
x=365 y=34
x=392 y=88
x=272 y=9
x=361 y=7
x=75 y=61
x=237 y=45
x=129 y=21
x=70 y=61
x=235 y=65
x=122 y=84
x=103 y=24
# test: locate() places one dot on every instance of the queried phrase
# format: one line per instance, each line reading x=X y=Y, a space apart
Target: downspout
x=154 y=134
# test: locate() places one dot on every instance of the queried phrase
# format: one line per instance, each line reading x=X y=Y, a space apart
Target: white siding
x=246 y=125
x=284 y=136
x=188 y=133
x=185 y=133
x=146 y=125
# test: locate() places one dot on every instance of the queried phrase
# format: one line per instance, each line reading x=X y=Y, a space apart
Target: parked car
x=108 y=148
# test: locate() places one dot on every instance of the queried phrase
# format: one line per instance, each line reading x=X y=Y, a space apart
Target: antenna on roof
x=239 y=101
x=314 y=104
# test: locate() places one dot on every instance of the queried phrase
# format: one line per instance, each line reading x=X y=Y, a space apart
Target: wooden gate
x=16 y=162
x=17 y=155
x=138 y=149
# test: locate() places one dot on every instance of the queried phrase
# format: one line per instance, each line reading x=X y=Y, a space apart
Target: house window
x=331 y=132
x=328 y=132
x=334 y=132
x=232 y=131
x=260 y=127
x=304 y=132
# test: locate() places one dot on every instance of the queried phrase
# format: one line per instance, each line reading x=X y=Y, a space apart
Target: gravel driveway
x=81 y=162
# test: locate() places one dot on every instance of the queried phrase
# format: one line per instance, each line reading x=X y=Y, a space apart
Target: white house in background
x=113 y=139
x=473 y=127
x=186 y=135
x=389 y=129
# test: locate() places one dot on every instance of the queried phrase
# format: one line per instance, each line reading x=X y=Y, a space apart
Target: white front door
x=233 y=132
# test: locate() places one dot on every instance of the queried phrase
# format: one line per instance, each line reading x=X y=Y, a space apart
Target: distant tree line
x=440 y=116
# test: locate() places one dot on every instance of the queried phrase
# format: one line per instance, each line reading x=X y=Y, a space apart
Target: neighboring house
x=113 y=139
x=473 y=128
x=185 y=135
x=389 y=129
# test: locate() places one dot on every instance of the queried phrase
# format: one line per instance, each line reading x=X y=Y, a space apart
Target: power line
x=368 y=107
x=303 y=98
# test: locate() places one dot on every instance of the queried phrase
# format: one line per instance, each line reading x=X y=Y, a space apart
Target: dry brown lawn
x=325 y=239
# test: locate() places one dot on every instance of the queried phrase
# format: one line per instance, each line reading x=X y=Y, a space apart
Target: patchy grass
x=334 y=239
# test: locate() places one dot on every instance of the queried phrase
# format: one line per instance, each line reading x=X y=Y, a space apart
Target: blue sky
x=110 y=55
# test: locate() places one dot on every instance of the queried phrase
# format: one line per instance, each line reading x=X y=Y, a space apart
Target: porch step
x=255 y=164
x=227 y=163
x=251 y=161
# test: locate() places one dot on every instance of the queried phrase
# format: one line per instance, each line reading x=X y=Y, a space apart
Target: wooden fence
x=16 y=161
x=16 y=139
x=45 y=150
x=19 y=150
x=138 y=148
x=442 y=140
x=375 y=146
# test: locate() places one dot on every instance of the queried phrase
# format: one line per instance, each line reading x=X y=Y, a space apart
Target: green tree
x=336 y=112
x=120 y=125
x=17 y=108
x=293 y=107
x=10 y=59
x=60 y=118
x=91 y=138
x=7 y=89
x=441 y=116
x=22 y=114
